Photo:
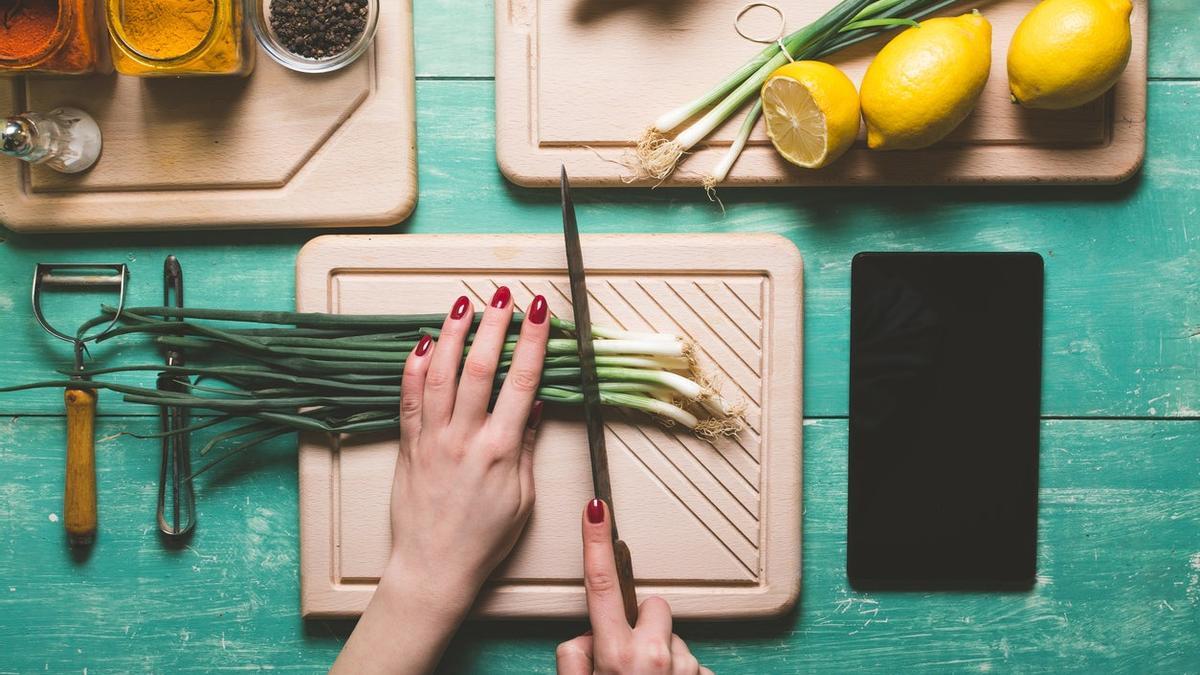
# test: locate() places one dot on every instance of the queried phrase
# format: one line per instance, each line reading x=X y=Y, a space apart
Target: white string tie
x=776 y=39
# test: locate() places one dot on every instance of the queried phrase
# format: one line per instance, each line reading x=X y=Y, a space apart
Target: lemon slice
x=812 y=112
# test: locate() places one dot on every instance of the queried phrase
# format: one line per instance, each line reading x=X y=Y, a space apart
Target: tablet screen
x=945 y=389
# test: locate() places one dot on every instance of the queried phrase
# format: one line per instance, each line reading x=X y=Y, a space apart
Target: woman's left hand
x=463 y=488
x=463 y=485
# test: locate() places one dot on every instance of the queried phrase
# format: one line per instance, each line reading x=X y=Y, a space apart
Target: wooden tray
x=577 y=80
x=715 y=529
x=277 y=149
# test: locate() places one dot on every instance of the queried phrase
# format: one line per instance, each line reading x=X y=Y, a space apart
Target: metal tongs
x=176 y=505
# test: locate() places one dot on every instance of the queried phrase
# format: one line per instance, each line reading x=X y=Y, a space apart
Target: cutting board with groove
x=713 y=528
x=578 y=80
x=275 y=149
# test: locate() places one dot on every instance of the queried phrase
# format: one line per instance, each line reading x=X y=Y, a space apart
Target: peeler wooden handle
x=625 y=578
x=79 y=502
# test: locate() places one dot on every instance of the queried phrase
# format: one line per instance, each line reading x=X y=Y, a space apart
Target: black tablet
x=945 y=393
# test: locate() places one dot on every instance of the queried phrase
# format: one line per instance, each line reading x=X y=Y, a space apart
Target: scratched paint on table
x=1118 y=586
x=1119 y=596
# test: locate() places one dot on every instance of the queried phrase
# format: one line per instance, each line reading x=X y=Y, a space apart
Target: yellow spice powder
x=165 y=29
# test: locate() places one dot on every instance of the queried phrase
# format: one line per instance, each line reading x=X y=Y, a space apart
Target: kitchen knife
x=591 y=398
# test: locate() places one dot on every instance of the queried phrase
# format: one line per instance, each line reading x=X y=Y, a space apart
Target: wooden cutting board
x=578 y=80
x=713 y=528
x=276 y=149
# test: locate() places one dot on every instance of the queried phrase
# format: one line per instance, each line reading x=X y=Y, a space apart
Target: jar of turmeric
x=48 y=36
x=179 y=37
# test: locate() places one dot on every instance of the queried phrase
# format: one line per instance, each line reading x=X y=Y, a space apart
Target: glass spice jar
x=48 y=36
x=315 y=36
x=152 y=38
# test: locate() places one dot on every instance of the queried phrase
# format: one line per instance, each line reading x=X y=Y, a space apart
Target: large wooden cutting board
x=713 y=528
x=578 y=80
x=276 y=149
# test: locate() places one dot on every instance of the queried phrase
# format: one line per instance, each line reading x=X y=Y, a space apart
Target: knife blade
x=590 y=384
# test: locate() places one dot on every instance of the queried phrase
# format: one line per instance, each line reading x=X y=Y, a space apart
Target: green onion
x=735 y=150
x=341 y=374
x=849 y=22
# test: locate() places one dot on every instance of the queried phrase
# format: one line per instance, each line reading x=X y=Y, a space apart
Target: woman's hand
x=612 y=646
x=463 y=485
x=464 y=479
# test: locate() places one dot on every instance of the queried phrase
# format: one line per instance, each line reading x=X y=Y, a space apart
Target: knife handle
x=79 y=499
x=625 y=579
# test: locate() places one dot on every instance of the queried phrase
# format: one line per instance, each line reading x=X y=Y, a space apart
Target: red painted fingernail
x=595 y=512
x=460 y=308
x=501 y=297
x=423 y=345
x=535 y=415
x=538 y=310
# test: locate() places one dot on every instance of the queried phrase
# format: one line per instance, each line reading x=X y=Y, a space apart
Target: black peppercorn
x=318 y=29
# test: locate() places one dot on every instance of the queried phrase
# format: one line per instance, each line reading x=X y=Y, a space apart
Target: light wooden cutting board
x=275 y=149
x=713 y=528
x=578 y=80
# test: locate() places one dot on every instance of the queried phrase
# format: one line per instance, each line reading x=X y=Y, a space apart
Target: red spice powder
x=26 y=27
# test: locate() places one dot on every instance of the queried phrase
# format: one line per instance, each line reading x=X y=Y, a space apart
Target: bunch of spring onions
x=268 y=374
x=849 y=22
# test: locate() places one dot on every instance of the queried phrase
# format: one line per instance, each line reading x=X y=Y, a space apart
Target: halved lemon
x=812 y=112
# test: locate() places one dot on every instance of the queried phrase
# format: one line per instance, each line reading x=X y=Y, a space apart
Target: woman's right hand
x=612 y=646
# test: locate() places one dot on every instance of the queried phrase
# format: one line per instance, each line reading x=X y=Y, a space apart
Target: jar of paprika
x=179 y=37
x=48 y=36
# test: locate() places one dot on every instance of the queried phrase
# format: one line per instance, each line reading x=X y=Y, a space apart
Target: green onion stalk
x=273 y=373
x=848 y=23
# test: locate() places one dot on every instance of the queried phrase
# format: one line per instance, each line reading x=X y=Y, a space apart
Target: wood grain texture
x=79 y=488
x=554 y=106
x=447 y=33
x=276 y=149
x=1118 y=568
x=731 y=504
x=1122 y=269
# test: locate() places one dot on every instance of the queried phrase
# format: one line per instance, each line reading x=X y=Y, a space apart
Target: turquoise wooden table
x=1119 y=529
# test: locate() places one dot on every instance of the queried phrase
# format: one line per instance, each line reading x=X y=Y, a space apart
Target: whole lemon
x=1068 y=52
x=926 y=81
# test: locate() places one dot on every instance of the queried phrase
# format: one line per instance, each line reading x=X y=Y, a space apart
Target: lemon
x=812 y=112
x=926 y=81
x=1068 y=52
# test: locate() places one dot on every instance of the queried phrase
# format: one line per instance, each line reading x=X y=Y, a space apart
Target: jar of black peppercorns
x=316 y=36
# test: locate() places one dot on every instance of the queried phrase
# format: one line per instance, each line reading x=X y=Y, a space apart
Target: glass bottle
x=65 y=139
x=48 y=36
x=152 y=38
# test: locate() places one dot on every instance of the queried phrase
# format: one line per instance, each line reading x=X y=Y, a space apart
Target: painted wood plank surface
x=456 y=41
x=1119 y=559
x=1175 y=41
x=1122 y=263
x=1118 y=572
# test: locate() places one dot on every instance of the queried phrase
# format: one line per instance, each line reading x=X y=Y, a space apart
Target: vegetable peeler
x=176 y=512
x=79 y=495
